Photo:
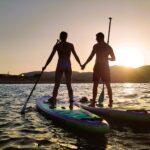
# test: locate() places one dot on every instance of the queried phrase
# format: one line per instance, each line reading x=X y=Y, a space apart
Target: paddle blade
x=101 y=97
x=23 y=110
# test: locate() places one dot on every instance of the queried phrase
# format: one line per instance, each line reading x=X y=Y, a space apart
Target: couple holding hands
x=101 y=70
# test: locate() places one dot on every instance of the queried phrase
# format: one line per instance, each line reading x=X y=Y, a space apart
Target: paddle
x=101 y=97
x=24 y=107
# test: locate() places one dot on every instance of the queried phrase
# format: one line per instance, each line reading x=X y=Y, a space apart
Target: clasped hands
x=83 y=66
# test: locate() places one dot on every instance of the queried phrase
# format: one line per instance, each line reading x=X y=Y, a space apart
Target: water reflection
x=33 y=131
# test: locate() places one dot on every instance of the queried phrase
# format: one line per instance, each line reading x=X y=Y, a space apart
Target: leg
x=106 y=80
x=96 y=78
x=109 y=94
x=95 y=86
x=52 y=100
x=69 y=87
x=68 y=83
x=58 y=76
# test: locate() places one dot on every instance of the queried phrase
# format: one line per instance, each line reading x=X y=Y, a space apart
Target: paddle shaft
x=24 y=107
x=35 y=85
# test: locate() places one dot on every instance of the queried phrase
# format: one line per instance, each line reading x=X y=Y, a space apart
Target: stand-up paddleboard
x=76 y=119
x=138 y=120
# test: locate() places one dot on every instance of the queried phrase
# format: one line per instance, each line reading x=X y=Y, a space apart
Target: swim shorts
x=101 y=71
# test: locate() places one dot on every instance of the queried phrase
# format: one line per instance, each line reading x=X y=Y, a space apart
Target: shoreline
x=118 y=74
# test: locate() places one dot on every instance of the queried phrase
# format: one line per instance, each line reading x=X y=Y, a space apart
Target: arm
x=89 y=58
x=50 y=57
x=112 y=56
x=76 y=56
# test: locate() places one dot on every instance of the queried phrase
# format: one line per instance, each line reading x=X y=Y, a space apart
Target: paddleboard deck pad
x=139 y=121
x=76 y=119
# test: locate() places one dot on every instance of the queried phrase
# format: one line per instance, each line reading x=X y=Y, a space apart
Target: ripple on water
x=130 y=96
x=146 y=92
x=5 y=124
x=33 y=131
x=29 y=131
x=145 y=97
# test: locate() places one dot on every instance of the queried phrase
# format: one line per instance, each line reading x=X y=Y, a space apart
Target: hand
x=43 y=68
x=82 y=67
x=111 y=59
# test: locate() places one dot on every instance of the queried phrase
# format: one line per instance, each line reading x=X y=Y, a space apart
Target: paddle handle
x=109 y=29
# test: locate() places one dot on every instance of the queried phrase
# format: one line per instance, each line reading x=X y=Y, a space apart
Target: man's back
x=102 y=50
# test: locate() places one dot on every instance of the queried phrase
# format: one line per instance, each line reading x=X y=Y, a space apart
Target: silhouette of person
x=101 y=70
x=64 y=50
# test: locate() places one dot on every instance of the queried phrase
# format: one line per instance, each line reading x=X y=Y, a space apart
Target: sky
x=29 y=29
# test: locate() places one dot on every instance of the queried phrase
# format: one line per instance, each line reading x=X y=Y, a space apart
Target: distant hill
x=119 y=74
x=126 y=74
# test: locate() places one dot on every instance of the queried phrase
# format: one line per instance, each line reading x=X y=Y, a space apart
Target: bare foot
x=52 y=102
x=71 y=106
x=92 y=105
x=110 y=103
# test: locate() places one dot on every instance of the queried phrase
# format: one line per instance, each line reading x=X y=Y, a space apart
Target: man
x=101 y=69
x=64 y=50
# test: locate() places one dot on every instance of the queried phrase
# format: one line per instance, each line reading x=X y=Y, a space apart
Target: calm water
x=35 y=132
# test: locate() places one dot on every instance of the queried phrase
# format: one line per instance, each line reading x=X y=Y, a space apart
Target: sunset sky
x=30 y=28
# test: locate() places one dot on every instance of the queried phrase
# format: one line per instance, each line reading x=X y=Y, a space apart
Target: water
x=33 y=131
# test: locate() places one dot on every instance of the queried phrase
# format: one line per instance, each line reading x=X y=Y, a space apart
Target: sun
x=129 y=56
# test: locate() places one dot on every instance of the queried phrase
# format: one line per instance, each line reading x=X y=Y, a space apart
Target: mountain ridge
x=119 y=74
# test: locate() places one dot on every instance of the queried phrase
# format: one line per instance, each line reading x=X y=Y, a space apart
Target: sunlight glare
x=129 y=56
